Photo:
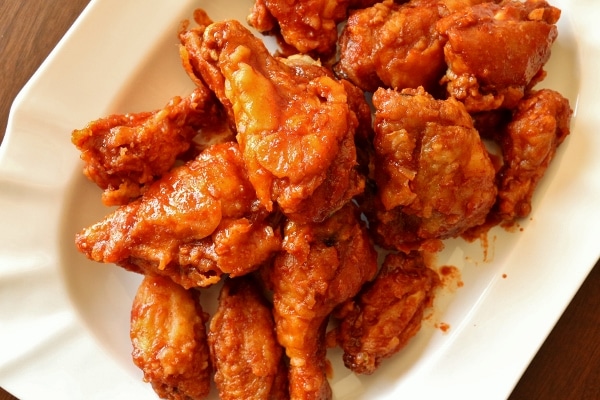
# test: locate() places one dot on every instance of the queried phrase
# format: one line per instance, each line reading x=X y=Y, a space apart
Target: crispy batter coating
x=295 y=127
x=277 y=157
x=495 y=52
x=392 y=45
x=195 y=223
x=539 y=125
x=310 y=26
x=245 y=353
x=123 y=154
x=322 y=265
x=168 y=335
x=434 y=176
x=387 y=313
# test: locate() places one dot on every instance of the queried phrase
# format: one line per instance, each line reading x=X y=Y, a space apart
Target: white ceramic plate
x=64 y=321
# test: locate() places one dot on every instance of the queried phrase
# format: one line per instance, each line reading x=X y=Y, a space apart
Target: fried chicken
x=195 y=223
x=392 y=45
x=496 y=52
x=123 y=154
x=168 y=335
x=322 y=265
x=263 y=176
x=434 y=176
x=307 y=26
x=295 y=128
x=539 y=125
x=387 y=313
x=245 y=353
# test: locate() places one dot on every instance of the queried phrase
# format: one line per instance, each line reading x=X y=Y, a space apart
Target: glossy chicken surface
x=194 y=224
x=322 y=265
x=124 y=153
x=434 y=176
x=387 y=313
x=313 y=191
x=245 y=353
x=308 y=26
x=295 y=129
x=540 y=124
x=168 y=334
x=392 y=45
x=496 y=52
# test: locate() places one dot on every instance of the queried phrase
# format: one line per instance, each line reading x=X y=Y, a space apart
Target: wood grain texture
x=567 y=366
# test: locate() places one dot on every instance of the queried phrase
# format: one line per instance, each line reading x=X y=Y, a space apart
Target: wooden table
x=566 y=367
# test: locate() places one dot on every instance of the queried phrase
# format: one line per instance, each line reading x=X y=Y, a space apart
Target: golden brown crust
x=194 y=224
x=387 y=313
x=392 y=45
x=539 y=125
x=269 y=196
x=169 y=339
x=322 y=266
x=495 y=52
x=124 y=154
x=295 y=125
x=434 y=176
x=308 y=26
x=244 y=350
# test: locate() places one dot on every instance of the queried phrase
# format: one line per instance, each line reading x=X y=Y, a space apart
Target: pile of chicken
x=277 y=178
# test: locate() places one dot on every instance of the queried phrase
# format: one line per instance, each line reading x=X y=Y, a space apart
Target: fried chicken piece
x=395 y=44
x=308 y=69
x=322 y=265
x=496 y=52
x=123 y=154
x=434 y=176
x=539 y=125
x=295 y=127
x=195 y=223
x=387 y=313
x=168 y=335
x=245 y=353
x=308 y=26
x=392 y=45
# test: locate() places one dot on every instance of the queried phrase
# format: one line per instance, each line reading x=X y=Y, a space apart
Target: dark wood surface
x=566 y=367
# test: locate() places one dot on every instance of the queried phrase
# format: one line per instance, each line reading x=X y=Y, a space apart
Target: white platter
x=64 y=321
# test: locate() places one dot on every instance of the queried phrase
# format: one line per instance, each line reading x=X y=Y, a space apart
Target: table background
x=567 y=365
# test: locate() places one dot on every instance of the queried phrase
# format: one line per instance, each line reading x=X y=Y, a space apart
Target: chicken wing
x=434 y=176
x=322 y=265
x=392 y=45
x=195 y=223
x=123 y=154
x=308 y=26
x=495 y=52
x=168 y=335
x=387 y=313
x=245 y=353
x=295 y=130
x=539 y=125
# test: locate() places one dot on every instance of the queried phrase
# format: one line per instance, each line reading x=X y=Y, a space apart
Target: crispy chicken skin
x=539 y=125
x=245 y=353
x=168 y=335
x=434 y=176
x=309 y=26
x=321 y=266
x=496 y=52
x=125 y=153
x=387 y=312
x=392 y=45
x=195 y=223
x=295 y=130
x=279 y=179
